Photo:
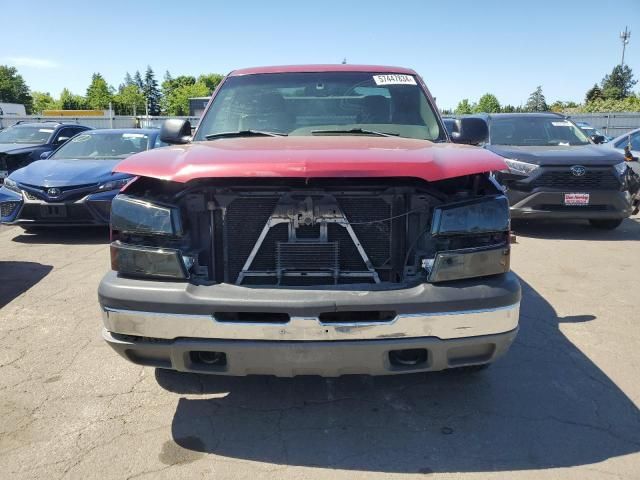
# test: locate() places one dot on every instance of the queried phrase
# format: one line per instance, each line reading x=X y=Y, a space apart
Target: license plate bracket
x=576 y=199
x=53 y=210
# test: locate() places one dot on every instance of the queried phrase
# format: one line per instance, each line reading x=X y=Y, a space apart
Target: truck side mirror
x=597 y=139
x=470 y=131
x=175 y=131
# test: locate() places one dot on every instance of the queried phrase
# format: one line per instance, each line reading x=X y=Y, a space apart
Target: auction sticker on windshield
x=394 y=79
x=576 y=199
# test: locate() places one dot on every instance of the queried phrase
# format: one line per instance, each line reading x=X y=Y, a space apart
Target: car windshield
x=26 y=134
x=535 y=131
x=103 y=145
x=325 y=103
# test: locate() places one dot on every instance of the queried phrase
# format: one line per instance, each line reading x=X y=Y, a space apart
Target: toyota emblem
x=578 y=170
x=53 y=192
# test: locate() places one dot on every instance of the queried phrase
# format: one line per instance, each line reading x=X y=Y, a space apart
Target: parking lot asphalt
x=562 y=404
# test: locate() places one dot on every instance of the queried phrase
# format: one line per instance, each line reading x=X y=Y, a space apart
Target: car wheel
x=605 y=224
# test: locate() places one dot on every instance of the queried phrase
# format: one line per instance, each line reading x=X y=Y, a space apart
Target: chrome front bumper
x=443 y=325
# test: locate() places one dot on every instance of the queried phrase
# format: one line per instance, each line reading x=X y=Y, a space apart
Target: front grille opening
x=208 y=359
x=373 y=316
x=252 y=317
x=470 y=354
x=7 y=208
x=592 y=180
x=408 y=358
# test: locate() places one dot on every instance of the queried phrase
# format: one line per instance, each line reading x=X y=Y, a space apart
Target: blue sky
x=463 y=49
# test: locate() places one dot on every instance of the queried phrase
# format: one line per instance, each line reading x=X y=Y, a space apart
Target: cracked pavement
x=562 y=404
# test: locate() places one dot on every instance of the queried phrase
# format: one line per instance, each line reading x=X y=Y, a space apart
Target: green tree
x=464 y=107
x=488 y=103
x=137 y=79
x=594 y=93
x=99 y=94
x=508 y=109
x=536 y=101
x=211 y=80
x=43 y=101
x=69 y=101
x=169 y=86
x=13 y=88
x=559 y=106
x=129 y=101
x=178 y=99
x=618 y=84
x=128 y=80
x=151 y=92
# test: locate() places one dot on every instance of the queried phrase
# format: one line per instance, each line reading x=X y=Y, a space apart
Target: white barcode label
x=394 y=79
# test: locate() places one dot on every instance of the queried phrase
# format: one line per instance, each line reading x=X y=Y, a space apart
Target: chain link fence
x=611 y=124
x=95 y=122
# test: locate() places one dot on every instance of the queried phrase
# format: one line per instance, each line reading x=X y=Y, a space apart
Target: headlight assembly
x=134 y=260
x=114 y=184
x=11 y=185
x=472 y=217
x=520 y=168
x=621 y=168
x=134 y=215
x=469 y=263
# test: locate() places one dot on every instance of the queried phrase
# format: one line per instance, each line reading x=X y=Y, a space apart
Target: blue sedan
x=75 y=185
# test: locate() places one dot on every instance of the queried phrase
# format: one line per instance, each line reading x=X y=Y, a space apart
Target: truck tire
x=605 y=224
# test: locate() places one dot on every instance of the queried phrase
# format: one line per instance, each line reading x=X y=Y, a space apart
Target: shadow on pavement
x=544 y=405
x=63 y=235
x=575 y=230
x=18 y=277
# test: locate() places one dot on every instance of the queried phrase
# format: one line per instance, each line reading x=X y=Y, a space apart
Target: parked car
x=25 y=142
x=319 y=222
x=75 y=185
x=449 y=124
x=632 y=140
x=593 y=133
x=555 y=170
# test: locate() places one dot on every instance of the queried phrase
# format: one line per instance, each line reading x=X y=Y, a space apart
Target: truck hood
x=559 y=155
x=66 y=173
x=312 y=157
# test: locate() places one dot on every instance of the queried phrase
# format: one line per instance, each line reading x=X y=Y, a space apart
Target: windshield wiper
x=355 y=131
x=244 y=133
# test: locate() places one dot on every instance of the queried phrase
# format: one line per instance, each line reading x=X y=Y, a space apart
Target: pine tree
x=99 y=93
x=137 y=79
x=537 y=102
x=594 y=93
x=464 y=107
x=618 y=84
x=127 y=79
x=151 y=92
x=488 y=103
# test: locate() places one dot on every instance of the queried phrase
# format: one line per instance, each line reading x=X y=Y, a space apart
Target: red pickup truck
x=320 y=221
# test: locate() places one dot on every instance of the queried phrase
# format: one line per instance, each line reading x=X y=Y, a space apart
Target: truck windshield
x=102 y=145
x=25 y=134
x=535 y=131
x=324 y=103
